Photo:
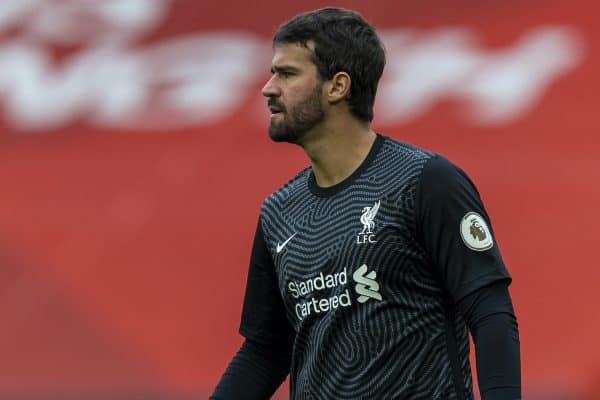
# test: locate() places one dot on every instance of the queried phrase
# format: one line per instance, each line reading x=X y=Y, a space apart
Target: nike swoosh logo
x=282 y=245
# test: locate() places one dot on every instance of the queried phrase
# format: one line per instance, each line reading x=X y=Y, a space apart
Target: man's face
x=294 y=94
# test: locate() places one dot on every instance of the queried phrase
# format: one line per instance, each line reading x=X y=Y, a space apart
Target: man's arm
x=493 y=325
x=456 y=231
x=254 y=373
x=263 y=361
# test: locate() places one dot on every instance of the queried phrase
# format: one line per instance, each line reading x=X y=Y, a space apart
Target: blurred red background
x=134 y=158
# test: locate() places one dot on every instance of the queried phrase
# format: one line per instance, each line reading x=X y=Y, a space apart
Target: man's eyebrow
x=283 y=68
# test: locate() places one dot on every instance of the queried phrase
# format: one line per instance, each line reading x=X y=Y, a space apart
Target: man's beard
x=298 y=120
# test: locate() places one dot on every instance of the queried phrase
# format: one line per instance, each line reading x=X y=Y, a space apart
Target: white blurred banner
x=109 y=79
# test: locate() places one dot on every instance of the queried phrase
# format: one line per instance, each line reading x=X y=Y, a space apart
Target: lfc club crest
x=367 y=218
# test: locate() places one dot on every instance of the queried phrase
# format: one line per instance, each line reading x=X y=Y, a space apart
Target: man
x=369 y=267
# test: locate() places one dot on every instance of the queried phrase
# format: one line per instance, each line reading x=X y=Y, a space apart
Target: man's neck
x=336 y=152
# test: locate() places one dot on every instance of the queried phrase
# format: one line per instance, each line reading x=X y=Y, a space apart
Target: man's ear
x=338 y=87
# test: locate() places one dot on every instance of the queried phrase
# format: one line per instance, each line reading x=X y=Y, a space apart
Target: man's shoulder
x=288 y=191
x=407 y=150
x=402 y=162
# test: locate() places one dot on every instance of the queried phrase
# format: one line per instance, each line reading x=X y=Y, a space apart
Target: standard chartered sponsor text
x=315 y=305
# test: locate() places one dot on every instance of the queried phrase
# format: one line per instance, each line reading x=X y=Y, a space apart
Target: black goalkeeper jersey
x=363 y=277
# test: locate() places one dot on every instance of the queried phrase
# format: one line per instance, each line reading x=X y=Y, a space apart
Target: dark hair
x=343 y=41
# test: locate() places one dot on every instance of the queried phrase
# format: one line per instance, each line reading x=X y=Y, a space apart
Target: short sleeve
x=263 y=315
x=455 y=230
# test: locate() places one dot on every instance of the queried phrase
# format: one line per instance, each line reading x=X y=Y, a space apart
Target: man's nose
x=270 y=89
